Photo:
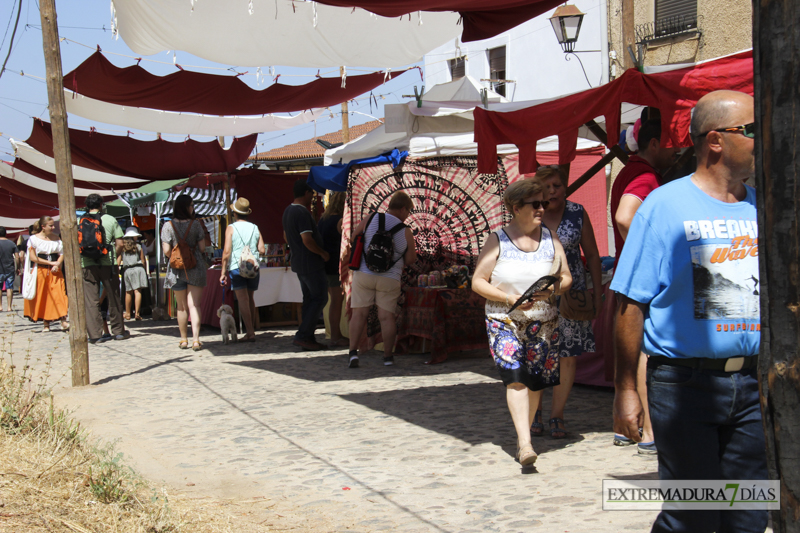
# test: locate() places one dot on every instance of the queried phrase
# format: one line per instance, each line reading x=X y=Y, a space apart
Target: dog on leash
x=227 y=324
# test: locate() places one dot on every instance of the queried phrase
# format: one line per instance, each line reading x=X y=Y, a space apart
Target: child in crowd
x=133 y=263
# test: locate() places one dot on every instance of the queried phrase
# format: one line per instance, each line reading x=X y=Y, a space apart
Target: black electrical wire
x=11 y=43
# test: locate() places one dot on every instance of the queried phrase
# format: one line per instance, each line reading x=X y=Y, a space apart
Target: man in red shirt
x=639 y=178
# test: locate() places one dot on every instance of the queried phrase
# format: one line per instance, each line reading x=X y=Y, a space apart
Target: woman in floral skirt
x=524 y=343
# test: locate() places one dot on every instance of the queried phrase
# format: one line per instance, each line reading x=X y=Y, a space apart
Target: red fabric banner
x=270 y=193
x=482 y=18
x=13 y=206
x=674 y=93
x=209 y=94
x=152 y=160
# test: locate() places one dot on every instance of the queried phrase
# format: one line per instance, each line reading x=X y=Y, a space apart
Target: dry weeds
x=54 y=478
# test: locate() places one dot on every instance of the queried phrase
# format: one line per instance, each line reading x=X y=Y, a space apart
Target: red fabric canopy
x=482 y=18
x=40 y=197
x=209 y=94
x=152 y=160
x=674 y=93
x=13 y=206
x=270 y=193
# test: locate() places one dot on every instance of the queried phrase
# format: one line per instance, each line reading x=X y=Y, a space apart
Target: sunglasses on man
x=538 y=204
x=748 y=130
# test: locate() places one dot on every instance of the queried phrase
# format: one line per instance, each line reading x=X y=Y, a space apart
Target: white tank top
x=516 y=270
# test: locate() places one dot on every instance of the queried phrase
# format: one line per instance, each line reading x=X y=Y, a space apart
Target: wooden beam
x=601 y=135
x=345 y=117
x=591 y=172
x=628 y=33
x=776 y=32
x=66 y=194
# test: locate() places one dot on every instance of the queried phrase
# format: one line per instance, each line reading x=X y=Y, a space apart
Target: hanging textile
x=481 y=18
x=152 y=160
x=292 y=34
x=23 y=151
x=26 y=186
x=13 y=206
x=207 y=202
x=210 y=94
x=140 y=118
x=100 y=188
x=673 y=92
x=334 y=177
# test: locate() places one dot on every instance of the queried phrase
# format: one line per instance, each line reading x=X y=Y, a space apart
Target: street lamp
x=566 y=21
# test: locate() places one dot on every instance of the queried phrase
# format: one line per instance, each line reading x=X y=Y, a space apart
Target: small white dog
x=227 y=324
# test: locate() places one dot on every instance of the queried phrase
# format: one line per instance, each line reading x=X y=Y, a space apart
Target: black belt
x=48 y=257
x=731 y=364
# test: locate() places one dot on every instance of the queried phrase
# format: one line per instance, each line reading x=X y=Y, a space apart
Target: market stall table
x=277 y=284
x=452 y=319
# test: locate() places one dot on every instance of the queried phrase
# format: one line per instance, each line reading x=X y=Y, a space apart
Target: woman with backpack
x=183 y=244
x=242 y=241
x=133 y=264
x=45 y=291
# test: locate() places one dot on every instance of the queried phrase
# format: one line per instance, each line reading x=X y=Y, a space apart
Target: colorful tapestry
x=455 y=208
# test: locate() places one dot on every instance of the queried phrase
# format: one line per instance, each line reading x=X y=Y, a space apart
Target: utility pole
x=776 y=30
x=66 y=193
x=345 y=117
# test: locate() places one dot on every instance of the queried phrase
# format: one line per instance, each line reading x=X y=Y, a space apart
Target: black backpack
x=91 y=236
x=379 y=255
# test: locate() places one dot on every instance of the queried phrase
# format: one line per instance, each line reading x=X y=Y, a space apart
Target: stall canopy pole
x=66 y=193
x=157 y=207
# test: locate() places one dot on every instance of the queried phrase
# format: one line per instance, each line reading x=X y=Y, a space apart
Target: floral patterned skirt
x=525 y=350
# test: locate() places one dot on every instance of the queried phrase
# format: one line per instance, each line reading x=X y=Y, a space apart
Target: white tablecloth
x=277 y=284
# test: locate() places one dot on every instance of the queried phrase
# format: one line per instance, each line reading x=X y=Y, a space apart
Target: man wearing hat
x=244 y=271
x=308 y=262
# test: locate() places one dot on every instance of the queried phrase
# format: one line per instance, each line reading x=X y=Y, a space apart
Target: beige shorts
x=368 y=289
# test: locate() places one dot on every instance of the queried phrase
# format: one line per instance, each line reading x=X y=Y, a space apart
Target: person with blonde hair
x=330 y=226
x=132 y=262
x=524 y=343
x=43 y=260
x=377 y=286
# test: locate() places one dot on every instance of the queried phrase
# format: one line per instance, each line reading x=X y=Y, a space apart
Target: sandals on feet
x=197 y=346
x=537 y=428
x=183 y=344
x=555 y=429
x=138 y=317
x=46 y=329
x=526 y=456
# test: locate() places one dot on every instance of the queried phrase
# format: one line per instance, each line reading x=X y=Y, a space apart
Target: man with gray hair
x=685 y=285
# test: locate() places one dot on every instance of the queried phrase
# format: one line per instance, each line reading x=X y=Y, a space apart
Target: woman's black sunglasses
x=538 y=203
x=748 y=130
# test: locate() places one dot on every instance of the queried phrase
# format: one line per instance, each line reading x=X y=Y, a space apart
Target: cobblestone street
x=315 y=445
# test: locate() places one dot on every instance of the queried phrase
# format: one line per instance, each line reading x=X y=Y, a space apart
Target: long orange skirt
x=51 y=297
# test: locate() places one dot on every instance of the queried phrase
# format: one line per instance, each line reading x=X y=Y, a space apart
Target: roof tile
x=309 y=149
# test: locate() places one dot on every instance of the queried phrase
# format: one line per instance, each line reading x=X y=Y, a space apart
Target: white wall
x=533 y=57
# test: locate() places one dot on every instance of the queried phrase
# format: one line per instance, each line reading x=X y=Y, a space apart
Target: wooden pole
x=597 y=167
x=345 y=117
x=776 y=32
x=66 y=194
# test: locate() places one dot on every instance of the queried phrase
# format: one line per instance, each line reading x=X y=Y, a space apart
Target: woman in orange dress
x=45 y=254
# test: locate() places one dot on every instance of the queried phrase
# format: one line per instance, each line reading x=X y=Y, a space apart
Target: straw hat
x=132 y=232
x=242 y=206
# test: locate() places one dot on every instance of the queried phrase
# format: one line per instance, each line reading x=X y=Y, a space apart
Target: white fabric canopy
x=27 y=153
x=47 y=186
x=141 y=118
x=378 y=141
x=280 y=32
x=15 y=224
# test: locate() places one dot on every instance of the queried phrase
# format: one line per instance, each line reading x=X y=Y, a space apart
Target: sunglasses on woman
x=536 y=204
x=748 y=130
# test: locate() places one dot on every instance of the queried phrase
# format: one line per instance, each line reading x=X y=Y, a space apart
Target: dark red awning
x=151 y=160
x=21 y=164
x=481 y=18
x=209 y=94
x=13 y=206
x=673 y=92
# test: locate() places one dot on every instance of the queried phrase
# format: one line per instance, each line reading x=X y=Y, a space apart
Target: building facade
x=526 y=62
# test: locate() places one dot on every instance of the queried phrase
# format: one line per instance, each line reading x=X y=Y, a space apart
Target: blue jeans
x=707 y=425
x=315 y=296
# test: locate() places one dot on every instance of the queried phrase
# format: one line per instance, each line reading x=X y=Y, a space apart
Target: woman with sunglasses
x=523 y=342
x=571 y=223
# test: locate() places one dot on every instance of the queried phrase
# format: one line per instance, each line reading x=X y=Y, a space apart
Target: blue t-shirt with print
x=694 y=260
